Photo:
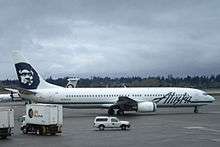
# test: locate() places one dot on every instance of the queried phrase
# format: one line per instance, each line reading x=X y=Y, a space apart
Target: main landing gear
x=120 y=112
x=196 y=110
x=112 y=112
x=28 y=102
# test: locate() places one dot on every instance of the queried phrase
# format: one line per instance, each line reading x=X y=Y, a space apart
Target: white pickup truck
x=6 y=121
x=103 y=122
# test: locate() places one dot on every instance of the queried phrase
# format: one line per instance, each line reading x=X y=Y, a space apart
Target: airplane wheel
x=111 y=111
x=120 y=112
x=196 y=109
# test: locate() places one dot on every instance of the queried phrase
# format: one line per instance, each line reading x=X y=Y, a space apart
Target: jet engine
x=146 y=107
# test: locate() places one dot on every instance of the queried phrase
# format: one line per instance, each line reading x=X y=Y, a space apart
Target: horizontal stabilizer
x=18 y=90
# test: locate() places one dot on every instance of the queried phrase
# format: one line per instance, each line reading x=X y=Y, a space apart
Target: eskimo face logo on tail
x=27 y=76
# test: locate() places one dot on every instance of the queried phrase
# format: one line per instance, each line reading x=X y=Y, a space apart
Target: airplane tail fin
x=28 y=77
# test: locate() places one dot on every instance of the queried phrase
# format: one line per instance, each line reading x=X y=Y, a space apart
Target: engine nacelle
x=146 y=107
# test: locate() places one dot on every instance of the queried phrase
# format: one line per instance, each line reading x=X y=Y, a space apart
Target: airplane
x=34 y=88
x=12 y=97
x=14 y=93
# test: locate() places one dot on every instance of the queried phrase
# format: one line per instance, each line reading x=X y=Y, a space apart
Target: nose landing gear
x=196 y=110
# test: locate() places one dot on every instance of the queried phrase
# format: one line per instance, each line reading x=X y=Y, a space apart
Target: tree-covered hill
x=201 y=82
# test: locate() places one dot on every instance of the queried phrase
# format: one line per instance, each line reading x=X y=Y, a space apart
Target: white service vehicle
x=43 y=119
x=103 y=122
x=6 y=121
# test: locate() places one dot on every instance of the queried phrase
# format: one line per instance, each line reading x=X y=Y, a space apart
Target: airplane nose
x=211 y=98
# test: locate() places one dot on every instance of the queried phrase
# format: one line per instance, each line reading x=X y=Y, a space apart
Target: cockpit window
x=205 y=93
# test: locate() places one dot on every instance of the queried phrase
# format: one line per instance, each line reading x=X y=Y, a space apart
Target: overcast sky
x=112 y=37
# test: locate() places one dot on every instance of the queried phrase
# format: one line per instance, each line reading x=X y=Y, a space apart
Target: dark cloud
x=112 y=37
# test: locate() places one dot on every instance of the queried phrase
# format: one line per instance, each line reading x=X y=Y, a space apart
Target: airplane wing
x=129 y=104
x=125 y=103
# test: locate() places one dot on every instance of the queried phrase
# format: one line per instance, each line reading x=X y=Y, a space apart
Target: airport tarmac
x=167 y=127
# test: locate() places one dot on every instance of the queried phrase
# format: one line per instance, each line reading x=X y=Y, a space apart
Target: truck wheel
x=25 y=131
x=53 y=133
x=101 y=127
x=42 y=130
x=4 y=137
x=123 y=127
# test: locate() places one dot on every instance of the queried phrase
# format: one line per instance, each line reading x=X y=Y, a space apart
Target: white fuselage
x=9 y=97
x=5 y=97
x=106 y=97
